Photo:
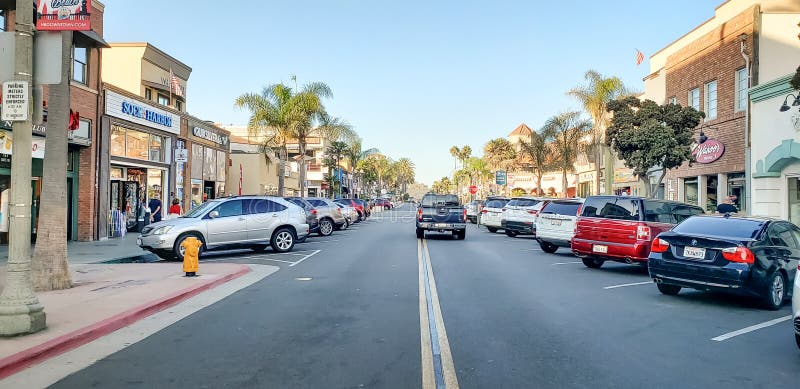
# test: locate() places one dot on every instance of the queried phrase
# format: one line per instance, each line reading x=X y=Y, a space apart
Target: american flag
x=176 y=85
x=639 y=57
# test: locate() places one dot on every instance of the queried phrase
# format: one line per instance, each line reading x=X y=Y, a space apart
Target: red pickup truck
x=621 y=228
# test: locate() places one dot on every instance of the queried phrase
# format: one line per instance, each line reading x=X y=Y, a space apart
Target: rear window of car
x=522 y=202
x=318 y=203
x=666 y=212
x=611 y=208
x=720 y=226
x=562 y=208
x=495 y=203
x=433 y=200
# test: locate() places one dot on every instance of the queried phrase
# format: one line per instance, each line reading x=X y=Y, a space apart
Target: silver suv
x=255 y=222
x=330 y=216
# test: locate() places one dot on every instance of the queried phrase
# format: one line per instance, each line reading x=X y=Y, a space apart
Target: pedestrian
x=174 y=209
x=727 y=207
x=143 y=214
x=155 y=208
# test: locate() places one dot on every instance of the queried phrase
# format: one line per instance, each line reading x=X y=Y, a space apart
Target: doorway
x=209 y=190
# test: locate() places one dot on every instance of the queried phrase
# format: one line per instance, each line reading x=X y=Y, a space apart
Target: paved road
x=345 y=312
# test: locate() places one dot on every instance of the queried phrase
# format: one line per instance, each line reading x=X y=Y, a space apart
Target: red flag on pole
x=639 y=57
x=240 y=179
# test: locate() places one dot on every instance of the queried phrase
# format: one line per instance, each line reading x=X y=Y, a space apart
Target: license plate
x=441 y=224
x=694 y=252
x=598 y=248
x=138 y=241
x=555 y=222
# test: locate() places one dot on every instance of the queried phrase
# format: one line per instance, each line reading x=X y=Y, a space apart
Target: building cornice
x=777 y=87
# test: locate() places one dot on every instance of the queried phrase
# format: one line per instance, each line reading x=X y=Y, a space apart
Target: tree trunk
x=302 y=174
x=660 y=180
x=50 y=266
x=609 y=178
x=281 y=172
x=539 y=185
x=564 y=182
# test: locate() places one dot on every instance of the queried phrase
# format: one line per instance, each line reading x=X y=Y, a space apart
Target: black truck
x=441 y=213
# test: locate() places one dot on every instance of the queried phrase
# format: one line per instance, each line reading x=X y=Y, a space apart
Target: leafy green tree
x=646 y=135
x=566 y=129
x=499 y=153
x=354 y=157
x=796 y=79
x=537 y=155
x=518 y=192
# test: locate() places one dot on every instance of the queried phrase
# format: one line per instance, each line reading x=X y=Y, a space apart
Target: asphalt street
x=368 y=307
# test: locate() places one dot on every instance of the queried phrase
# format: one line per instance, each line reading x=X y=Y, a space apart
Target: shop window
x=116 y=173
x=736 y=187
x=148 y=94
x=118 y=140
x=163 y=100
x=221 y=164
x=673 y=100
x=209 y=164
x=694 y=98
x=156 y=148
x=742 y=82
x=178 y=105
x=690 y=191
x=197 y=162
x=2 y=20
x=137 y=145
x=710 y=101
x=80 y=60
x=83 y=132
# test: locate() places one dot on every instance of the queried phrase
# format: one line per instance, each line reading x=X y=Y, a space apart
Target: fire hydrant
x=191 y=255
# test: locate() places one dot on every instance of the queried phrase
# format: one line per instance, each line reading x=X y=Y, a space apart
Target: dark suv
x=622 y=228
x=311 y=212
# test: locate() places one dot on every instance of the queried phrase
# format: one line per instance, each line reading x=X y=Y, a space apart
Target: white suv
x=519 y=216
x=556 y=223
x=491 y=213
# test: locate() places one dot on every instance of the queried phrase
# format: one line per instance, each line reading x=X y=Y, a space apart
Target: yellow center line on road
x=438 y=370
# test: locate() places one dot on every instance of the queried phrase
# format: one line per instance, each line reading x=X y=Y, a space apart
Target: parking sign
x=500 y=177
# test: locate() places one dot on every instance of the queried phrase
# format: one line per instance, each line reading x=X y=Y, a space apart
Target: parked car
x=362 y=215
x=555 y=225
x=330 y=216
x=473 y=209
x=492 y=211
x=350 y=214
x=796 y=308
x=366 y=206
x=750 y=256
x=311 y=213
x=621 y=228
x=383 y=203
x=518 y=217
x=441 y=213
x=255 y=222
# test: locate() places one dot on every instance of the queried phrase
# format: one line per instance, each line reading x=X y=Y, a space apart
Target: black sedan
x=749 y=256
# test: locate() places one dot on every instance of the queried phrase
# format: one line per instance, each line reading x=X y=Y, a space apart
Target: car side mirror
x=213 y=214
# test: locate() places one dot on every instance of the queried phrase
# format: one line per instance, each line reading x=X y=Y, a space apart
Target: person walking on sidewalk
x=155 y=208
x=174 y=209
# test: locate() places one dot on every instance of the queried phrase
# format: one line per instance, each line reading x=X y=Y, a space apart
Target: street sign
x=473 y=189
x=46 y=50
x=500 y=177
x=16 y=101
x=181 y=155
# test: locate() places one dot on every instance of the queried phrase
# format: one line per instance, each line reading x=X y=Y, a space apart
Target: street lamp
x=785 y=107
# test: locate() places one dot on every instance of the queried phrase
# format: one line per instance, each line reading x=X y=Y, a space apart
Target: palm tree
x=405 y=172
x=567 y=130
x=538 y=155
x=499 y=153
x=273 y=118
x=595 y=96
x=355 y=155
x=377 y=165
x=334 y=154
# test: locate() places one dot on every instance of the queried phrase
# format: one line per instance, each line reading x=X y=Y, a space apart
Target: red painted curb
x=26 y=358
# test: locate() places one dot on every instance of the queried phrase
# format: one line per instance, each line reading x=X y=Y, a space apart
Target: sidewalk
x=106 y=297
x=99 y=251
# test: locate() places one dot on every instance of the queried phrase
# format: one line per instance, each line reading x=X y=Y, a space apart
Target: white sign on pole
x=6 y=56
x=16 y=100
x=47 y=51
x=181 y=155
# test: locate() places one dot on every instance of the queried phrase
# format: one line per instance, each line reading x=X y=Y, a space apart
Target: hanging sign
x=64 y=15
x=708 y=151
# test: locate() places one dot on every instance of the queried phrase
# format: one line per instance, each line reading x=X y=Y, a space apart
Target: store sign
x=7 y=142
x=209 y=135
x=181 y=155
x=64 y=15
x=709 y=151
x=122 y=107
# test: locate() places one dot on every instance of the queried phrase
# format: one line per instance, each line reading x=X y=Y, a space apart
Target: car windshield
x=562 y=208
x=201 y=209
x=522 y=202
x=436 y=200
x=720 y=227
x=317 y=203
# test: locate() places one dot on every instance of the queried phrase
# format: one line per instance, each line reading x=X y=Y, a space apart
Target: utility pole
x=20 y=309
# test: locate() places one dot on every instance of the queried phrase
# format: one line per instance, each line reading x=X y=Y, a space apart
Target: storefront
x=209 y=152
x=140 y=142
x=776 y=158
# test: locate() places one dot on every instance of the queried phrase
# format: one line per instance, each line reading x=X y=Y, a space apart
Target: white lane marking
x=531 y=249
x=448 y=367
x=752 y=328
x=631 y=284
x=428 y=376
x=262 y=257
x=565 y=263
x=321 y=241
x=54 y=369
x=304 y=258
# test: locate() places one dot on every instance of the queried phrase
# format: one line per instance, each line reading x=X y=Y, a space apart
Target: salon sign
x=708 y=151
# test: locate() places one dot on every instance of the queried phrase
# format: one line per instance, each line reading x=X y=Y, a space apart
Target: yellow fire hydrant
x=191 y=255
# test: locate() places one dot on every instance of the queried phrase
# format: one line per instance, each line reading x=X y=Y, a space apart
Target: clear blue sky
x=413 y=77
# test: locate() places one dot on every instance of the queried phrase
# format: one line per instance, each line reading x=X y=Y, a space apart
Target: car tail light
x=314 y=212
x=738 y=254
x=580 y=210
x=465 y=215
x=659 y=246
x=484 y=211
x=419 y=214
x=642 y=232
x=533 y=212
x=505 y=209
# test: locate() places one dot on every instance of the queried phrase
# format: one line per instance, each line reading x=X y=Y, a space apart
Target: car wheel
x=671 y=290
x=282 y=240
x=420 y=233
x=460 y=235
x=177 y=250
x=259 y=248
x=511 y=234
x=797 y=340
x=776 y=292
x=548 y=247
x=325 y=227
x=491 y=229
x=593 y=263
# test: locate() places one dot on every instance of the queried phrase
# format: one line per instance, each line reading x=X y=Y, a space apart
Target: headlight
x=162 y=230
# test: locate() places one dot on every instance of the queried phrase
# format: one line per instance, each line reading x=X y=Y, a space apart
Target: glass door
x=794 y=200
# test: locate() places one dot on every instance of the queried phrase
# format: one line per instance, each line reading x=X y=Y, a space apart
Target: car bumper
x=560 y=240
x=156 y=242
x=441 y=226
x=526 y=228
x=796 y=304
x=491 y=222
x=734 y=277
x=620 y=252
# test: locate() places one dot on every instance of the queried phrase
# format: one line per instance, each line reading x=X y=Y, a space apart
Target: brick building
x=85 y=84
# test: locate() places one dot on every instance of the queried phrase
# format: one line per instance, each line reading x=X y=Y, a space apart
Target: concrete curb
x=26 y=358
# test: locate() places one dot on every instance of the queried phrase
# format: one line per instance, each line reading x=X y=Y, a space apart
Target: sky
x=413 y=77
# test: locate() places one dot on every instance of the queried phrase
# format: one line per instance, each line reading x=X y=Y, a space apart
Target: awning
x=89 y=39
